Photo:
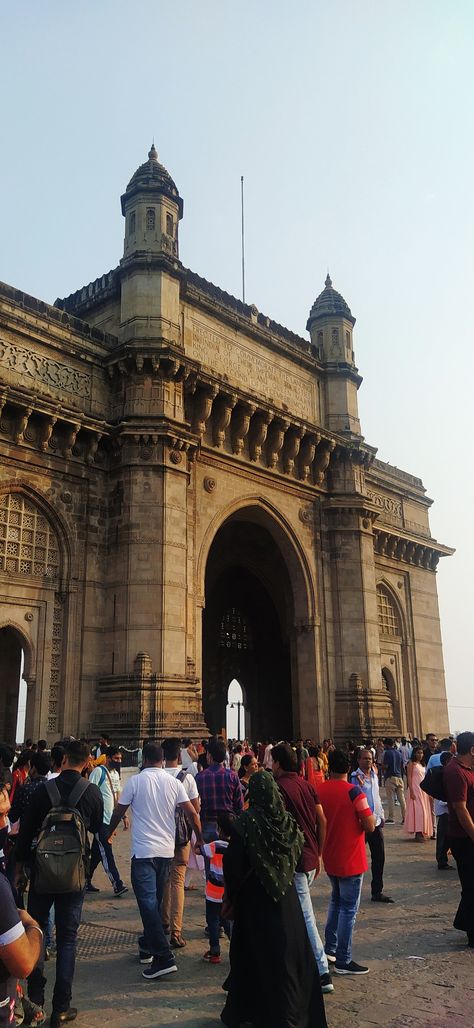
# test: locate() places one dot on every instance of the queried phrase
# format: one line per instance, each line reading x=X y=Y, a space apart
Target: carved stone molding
x=306 y=455
x=322 y=459
x=258 y=433
x=423 y=555
x=291 y=448
x=221 y=415
x=210 y=485
x=25 y=363
x=275 y=440
x=240 y=425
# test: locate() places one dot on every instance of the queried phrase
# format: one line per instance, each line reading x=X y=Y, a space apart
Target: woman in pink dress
x=418 y=819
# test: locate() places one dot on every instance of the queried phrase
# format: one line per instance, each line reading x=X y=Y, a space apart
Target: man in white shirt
x=173 y=898
x=154 y=796
x=367 y=779
x=107 y=778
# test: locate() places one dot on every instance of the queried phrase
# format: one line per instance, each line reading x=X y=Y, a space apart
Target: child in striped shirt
x=213 y=852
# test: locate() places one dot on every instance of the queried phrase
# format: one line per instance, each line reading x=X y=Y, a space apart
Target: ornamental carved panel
x=28 y=544
x=61 y=377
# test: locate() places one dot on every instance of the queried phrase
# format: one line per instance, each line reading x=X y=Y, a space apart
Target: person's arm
x=464 y=818
x=193 y=819
x=362 y=810
x=97 y=809
x=321 y=829
x=409 y=777
x=22 y=940
x=237 y=798
x=117 y=816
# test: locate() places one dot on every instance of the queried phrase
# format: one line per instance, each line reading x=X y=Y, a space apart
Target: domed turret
x=328 y=304
x=152 y=208
x=330 y=325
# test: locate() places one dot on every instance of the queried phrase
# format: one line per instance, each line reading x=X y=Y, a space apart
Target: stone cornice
x=27 y=316
x=409 y=548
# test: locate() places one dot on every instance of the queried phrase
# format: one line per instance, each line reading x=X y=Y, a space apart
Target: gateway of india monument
x=186 y=498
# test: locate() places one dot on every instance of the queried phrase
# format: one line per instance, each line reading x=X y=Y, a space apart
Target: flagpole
x=243 y=251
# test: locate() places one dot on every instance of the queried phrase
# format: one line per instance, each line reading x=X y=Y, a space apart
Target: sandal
x=177 y=942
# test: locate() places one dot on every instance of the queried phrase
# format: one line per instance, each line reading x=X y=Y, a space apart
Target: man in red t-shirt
x=302 y=801
x=458 y=779
x=349 y=817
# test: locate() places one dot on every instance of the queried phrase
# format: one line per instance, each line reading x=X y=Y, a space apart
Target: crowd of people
x=259 y=821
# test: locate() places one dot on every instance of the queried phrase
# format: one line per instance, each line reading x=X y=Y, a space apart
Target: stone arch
x=251 y=552
x=285 y=537
x=395 y=663
x=384 y=589
x=55 y=522
x=26 y=644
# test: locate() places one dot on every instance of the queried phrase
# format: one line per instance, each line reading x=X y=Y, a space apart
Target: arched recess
x=34 y=578
x=15 y=649
x=253 y=569
x=395 y=670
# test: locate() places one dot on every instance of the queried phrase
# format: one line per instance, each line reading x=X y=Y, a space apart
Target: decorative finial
x=152 y=154
x=328 y=281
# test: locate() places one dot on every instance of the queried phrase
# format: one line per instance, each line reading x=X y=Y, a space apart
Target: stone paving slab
x=421 y=972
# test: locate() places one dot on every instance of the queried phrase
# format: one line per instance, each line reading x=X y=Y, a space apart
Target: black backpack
x=61 y=852
x=433 y=783
x=183 y=831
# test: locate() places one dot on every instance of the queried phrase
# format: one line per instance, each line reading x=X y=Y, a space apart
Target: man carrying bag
x=53 y=838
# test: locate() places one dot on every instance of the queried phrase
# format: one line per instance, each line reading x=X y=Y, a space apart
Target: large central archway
x=254 y=592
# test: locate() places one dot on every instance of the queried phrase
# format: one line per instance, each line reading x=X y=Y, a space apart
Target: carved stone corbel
x=306 y=456
x=258 y=432
x=221 y=415
x=92 y=446
x=69 y=440
x=275 y=440
x=291 y=448
x=21 y=424
x=45 y=432
x=322 y=459
x=240 y=425
x=202 y=407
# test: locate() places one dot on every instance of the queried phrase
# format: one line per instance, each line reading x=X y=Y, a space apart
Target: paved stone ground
x=421 y=972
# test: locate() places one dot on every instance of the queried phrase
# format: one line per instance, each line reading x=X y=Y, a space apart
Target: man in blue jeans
x=349 y=818
x=302 y=801
x=68 y=905
x=154 y=796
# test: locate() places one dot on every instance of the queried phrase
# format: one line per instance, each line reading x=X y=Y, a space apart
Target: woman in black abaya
x=274 y=979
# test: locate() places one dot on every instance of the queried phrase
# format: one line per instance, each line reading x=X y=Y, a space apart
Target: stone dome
x=329 y=304
x=152 y=177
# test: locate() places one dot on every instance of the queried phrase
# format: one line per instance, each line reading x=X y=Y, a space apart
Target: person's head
x=202 y=761
x=264 y=794
x=350 y=744
x=27 y=744
x=445 y=745
x=284 y=759
x=404 y=740
x=40 y=764
x=389 y=742
x=152 y=755
x=431 y=740
x=248 y=765
x=172 y=750
x=368 y=744
x=217 y=750
x=7 y=755
x=187 y=742
x=103 y=741
x=42 y=745
x=76 y=755
x=338 y=763
x=366 y=760
x=23 y=760
x=417 y=755
x=113 y=757
x=238 y=748
x=465 y=747
x=57 y=756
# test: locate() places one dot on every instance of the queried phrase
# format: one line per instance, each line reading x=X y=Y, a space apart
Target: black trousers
x=377 y=856
x=463 y=853
x=442 y=843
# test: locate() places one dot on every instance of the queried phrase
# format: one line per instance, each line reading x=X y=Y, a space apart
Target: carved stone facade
x=176 y=470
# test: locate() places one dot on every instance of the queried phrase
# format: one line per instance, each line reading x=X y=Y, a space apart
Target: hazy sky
x=352 y=123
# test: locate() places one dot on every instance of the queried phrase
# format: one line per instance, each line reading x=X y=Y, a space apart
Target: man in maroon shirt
x=458 y=779
x=301 y=800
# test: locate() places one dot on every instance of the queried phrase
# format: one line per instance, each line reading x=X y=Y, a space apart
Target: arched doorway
x=249 y=629
x=235 y=711
x=12 y=661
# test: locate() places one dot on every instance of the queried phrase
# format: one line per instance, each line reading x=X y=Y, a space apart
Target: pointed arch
x=391 y=616
x=55 y=523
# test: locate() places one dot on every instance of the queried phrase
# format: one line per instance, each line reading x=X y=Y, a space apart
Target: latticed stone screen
x=389 y=621
x=234 y=631
x=28 y=545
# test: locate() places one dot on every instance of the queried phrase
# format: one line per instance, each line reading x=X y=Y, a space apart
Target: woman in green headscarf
x=274 y=979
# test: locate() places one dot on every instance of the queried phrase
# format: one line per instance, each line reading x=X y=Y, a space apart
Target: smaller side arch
x=41 y=502
x=25 y=643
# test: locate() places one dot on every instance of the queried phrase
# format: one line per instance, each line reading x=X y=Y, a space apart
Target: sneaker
x=212 y=958
x=446 y=867
x=351 y=968
x=331 y=957
x=61 y=1017
x=144 y=957
x=120 y=889
x=382 y=898
x=91 y=888
x=158 y=968
x=390 y=821
x=326 y=983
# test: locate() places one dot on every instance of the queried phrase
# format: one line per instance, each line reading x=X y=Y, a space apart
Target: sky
x=352 y=125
